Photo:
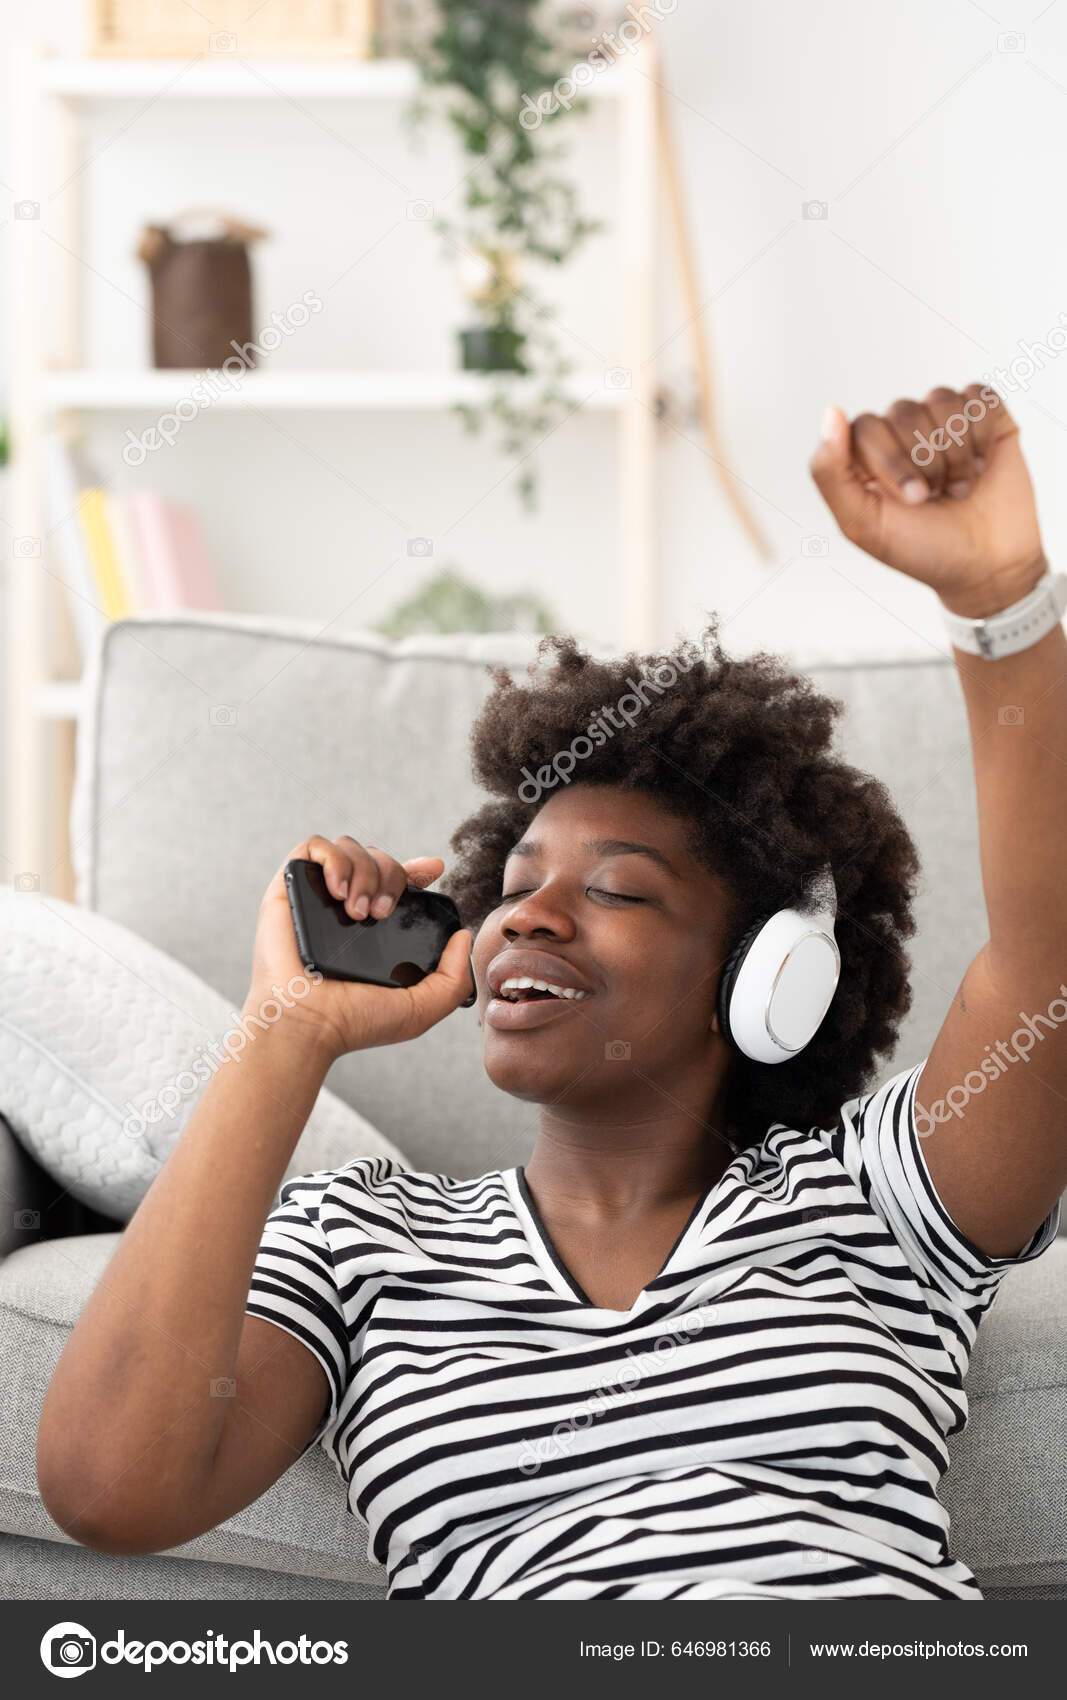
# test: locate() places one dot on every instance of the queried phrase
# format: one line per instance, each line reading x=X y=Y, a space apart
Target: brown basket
x=278 y=29
x=201 y=293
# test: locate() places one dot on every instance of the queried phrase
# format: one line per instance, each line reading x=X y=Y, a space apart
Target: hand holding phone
x=383 y=982
x=398 y=950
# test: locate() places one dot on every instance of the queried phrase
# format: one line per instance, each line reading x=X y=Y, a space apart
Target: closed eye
x=612 y=896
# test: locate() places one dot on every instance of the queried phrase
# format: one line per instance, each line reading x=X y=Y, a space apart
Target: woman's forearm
x=164 y=1323
x=1017 y=711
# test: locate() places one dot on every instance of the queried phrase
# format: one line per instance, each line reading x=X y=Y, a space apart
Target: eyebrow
x=604 y=847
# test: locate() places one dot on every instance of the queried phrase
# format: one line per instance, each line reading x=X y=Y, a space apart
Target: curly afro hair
x=740 y=751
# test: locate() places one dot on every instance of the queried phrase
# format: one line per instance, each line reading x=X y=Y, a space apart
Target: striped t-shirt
x=766 y=1421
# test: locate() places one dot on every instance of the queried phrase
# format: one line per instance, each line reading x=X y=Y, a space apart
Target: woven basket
x=279 y=29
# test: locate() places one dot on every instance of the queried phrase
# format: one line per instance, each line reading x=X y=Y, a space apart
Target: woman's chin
x=538 y=1076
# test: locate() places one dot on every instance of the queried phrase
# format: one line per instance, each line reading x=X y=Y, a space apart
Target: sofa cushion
x=99 y=1031
x=1004 y=1487
x=58 y=1570
x=300 y=1526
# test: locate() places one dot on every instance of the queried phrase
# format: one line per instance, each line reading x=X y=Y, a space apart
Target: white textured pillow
x=95 y=1025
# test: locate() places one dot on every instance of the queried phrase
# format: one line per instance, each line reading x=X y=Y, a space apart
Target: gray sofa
x=215 y=742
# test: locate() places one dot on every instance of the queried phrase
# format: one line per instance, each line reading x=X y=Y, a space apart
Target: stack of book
x=121 y=554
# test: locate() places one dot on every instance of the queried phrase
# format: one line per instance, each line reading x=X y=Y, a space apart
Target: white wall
x=938 y=156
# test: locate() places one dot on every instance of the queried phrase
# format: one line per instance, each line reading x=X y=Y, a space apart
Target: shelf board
x=355 y=391
x=221 y=76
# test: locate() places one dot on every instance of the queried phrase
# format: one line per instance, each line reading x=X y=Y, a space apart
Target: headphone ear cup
x=730 y=970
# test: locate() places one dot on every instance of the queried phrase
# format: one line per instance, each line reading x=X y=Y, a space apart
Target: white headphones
x=779 y=981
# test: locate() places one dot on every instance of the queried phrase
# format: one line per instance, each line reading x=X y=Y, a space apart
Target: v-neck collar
x=549 y=1260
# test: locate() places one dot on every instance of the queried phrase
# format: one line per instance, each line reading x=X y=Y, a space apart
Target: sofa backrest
x=213 y=743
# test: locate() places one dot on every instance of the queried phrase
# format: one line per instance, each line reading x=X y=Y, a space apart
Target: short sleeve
x=885 y=1153
x=294 y=1284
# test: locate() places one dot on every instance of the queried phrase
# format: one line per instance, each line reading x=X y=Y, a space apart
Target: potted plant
x=447 y=602
x=489 y=278
x=490 y=63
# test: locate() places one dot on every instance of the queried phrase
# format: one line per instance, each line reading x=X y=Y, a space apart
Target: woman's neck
x=609 y=1168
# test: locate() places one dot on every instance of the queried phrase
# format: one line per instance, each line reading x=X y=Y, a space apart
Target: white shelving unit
x=49 y=95
x=358 y=392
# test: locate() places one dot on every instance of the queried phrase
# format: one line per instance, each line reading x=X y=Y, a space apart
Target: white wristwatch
x=1014 y=628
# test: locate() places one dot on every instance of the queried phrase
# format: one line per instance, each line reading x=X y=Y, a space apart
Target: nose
x=537 y=915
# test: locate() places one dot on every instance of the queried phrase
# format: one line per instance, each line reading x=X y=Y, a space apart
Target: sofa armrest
x=33 y=1206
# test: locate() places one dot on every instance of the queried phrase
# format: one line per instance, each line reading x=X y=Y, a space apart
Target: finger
x=991 y=419
x=839 y=481
x=879 y=455
x=364 y=878
x=441 y=992
x=423 y=870
x=980 y=404
x=392 y=882
x=335 y=863
x=914 y=426
x=947 y=409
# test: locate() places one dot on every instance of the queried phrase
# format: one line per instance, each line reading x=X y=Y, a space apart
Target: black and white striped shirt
x=767 y=1420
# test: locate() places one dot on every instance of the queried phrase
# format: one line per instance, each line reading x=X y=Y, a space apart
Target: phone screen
x=399 y=951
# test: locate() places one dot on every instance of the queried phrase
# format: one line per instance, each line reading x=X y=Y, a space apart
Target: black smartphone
x=399 y=951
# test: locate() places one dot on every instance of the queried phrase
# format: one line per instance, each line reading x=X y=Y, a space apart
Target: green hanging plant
x=447 y=602
x=493 y=62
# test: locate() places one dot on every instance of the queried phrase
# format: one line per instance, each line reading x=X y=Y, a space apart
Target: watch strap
x=1015 y=628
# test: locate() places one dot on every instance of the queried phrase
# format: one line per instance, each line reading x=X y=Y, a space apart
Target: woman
x=709 y=1342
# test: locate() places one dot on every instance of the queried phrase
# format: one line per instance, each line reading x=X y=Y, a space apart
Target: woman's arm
x=171 y=1408
x=136 y=1439
x=997 y=1134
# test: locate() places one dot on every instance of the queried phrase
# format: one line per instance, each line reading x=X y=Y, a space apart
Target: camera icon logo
x=223 y=41
x=221 y=714
x=1010 y=715
x=27 y=1220
x=68 y=1649
x=617 y=1050
x=223 y=1387
x=420 y=546
x=27 y=881
x=420 y=209
x=1011 y=42
x=815 y=209
x=23 y=547
x=815 y=545
x=618 y=378
x=27 y=209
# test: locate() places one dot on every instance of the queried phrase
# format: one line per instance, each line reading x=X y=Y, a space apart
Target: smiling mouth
x=526 y=990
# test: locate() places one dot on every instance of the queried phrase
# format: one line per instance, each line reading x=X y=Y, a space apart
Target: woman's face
x=601 y=896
